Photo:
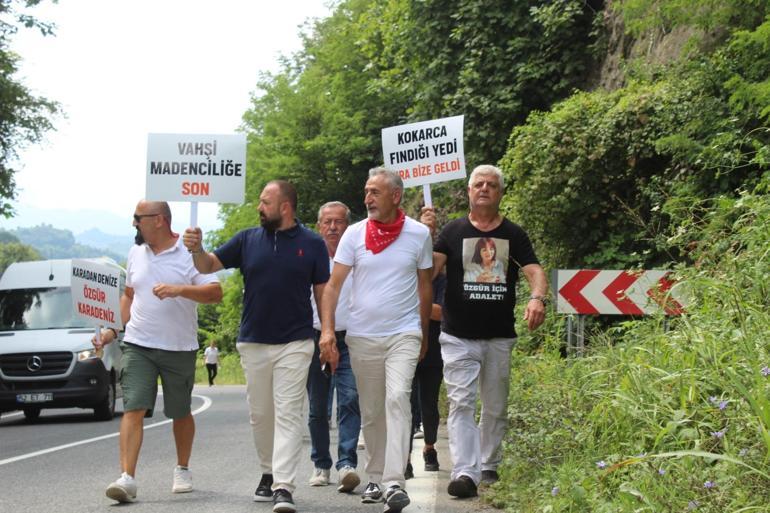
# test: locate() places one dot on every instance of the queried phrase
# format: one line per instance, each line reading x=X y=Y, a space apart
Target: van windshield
x=37 y=309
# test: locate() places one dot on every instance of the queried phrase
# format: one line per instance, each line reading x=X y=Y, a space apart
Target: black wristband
x=114 y=332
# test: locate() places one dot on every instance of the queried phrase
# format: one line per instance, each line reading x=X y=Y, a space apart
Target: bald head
x=159 y=207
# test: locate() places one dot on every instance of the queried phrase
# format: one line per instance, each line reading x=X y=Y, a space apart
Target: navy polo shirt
x=278 y=270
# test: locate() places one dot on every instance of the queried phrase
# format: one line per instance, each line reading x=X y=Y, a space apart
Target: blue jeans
x=348 y=413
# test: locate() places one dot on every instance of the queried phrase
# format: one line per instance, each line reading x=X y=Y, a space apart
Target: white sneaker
x=320 y=477
x=122 y=490
x=182 y=480
x=348 y=479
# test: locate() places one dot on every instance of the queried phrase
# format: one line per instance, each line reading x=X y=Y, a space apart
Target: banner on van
x=96 y=293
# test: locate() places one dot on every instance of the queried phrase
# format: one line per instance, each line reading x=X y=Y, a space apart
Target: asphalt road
x=65 y=461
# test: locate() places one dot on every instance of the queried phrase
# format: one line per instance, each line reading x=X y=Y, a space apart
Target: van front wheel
x=32 y=413
x=106 y=409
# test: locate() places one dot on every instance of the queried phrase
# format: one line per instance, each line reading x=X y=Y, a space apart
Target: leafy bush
x=596 y=180
x=663 y=15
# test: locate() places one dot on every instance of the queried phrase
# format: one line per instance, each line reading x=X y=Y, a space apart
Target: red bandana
x=380 y=235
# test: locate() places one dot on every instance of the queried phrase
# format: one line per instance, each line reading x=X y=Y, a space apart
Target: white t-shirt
x=343 y=305
x=384 y=298
x=171 y=323
x=211 y=355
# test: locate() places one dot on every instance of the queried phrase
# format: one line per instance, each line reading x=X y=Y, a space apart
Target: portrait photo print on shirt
x=485 y=268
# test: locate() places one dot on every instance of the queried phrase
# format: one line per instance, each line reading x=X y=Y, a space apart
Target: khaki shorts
x=139 y=379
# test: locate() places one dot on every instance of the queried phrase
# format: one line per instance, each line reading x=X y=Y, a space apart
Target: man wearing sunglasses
x=159 y=307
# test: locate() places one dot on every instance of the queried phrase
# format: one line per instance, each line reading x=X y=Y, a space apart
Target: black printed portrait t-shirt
x=482 y=271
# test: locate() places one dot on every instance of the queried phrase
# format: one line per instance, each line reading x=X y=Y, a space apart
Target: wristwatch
x=543 y=299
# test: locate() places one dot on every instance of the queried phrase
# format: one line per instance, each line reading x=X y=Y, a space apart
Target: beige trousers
x=384 y=368
x=276 y=376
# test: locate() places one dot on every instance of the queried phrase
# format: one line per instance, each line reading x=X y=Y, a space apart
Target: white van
x=46 y=356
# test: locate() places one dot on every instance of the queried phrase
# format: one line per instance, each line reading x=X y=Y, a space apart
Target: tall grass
x=653 y=419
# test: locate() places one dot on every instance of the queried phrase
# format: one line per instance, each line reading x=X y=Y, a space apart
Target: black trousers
x=425 y=390
x=212 y=370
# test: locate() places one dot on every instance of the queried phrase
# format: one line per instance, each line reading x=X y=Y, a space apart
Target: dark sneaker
x=409 y=472
x=372 y=494
x=282 y=502
x=396 y=499
x=489 y=477
x=431 y=460
x=462 y=487
x=264 y=493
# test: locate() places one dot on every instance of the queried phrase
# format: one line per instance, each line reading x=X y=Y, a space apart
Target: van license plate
x=34 y=398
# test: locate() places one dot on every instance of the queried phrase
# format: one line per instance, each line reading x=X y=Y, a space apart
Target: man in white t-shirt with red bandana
x=391 y=259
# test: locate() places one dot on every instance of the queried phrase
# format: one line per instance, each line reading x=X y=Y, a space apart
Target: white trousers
x=276 y=376
x=471 y=365
x=384 y=368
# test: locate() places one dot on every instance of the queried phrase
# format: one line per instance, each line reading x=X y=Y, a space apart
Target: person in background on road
x=477 y=331
x=391 y=259
x=211 y=359
x=159 y=307
x=333 y=220
x=280 y=262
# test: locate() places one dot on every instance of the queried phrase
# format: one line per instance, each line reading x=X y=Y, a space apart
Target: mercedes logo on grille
x=34 y=364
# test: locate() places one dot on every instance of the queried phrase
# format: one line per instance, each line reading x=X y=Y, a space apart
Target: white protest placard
x=96 y=293
x=425 y=152
x=196 y=167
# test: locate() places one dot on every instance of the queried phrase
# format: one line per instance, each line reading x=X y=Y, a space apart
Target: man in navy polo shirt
x=280 y=261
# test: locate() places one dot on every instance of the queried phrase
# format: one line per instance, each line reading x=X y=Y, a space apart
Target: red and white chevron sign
x=594 y=292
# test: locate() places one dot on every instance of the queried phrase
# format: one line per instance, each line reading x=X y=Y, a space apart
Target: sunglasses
x=138 y=217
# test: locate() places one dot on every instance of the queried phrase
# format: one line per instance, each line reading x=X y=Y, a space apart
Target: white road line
x=422 y=487
x=205 y=406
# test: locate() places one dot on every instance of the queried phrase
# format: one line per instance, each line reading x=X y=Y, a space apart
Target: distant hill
x=76 y=221
x=96 y=238
x=82 y=220
x=53 y=242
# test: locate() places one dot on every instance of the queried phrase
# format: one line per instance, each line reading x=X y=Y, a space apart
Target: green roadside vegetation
x=654 y=419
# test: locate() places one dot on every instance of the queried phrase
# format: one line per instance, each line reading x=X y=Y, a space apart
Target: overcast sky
x=124 y=69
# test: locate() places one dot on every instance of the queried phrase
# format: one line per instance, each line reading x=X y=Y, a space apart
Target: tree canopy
x=24 y=117
x=12 y=252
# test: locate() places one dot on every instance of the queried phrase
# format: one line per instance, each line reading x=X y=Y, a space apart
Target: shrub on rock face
x=595 y=179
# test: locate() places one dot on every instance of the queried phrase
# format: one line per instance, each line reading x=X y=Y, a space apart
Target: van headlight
x=87 y=354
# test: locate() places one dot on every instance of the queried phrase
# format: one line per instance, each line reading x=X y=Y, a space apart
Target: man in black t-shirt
x=483 y=254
